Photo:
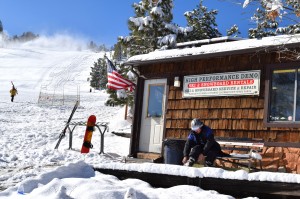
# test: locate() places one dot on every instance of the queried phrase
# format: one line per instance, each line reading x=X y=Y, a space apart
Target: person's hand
x=184 y=160
x=201 y=158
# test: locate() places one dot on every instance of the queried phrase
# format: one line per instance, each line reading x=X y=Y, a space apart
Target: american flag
x=115 y=80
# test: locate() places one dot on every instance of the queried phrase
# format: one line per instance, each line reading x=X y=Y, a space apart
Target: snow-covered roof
x=215 y=49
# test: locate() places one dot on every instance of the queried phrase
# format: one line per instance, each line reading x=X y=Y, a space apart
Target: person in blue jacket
x=201 y=145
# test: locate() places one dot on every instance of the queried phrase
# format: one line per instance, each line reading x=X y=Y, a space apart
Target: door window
x=155 y=100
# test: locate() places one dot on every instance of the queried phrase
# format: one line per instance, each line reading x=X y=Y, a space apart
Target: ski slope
x=30 y=68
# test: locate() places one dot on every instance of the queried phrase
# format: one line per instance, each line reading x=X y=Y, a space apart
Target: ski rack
x=63 y=133
x=98 y=125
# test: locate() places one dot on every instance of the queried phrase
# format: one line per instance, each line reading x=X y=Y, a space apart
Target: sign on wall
x=222 y=84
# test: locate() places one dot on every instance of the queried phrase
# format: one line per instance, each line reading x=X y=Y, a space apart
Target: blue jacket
x=205 y=139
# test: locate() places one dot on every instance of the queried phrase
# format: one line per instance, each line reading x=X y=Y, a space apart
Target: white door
x=153 y=112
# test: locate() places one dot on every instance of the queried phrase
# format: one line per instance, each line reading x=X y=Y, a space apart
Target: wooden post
x=126 y=107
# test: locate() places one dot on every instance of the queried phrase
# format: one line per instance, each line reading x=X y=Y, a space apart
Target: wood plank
x=171 y=94
x=225 y=103
x=192 y=103
x=283 y=144
x=214 y=124
x=177 y=134
x=260 y=125
x=175 y=114
x=171 y=104
x=252 y=124
x=237 y=113
x=213 y=113
x=222 y=124
x=244 y=124
x=253 y=102
x=186 y=114
x=203 y=103
x=294 y=136
x=170 y=133
x=261 y=102
x=245 y=113
x=237 y=103
x=215 y=103
x=184 y=134
x=200 y=113
x=248 y=144
x=251 y=114
x=168 y=123
x=150 y=156
x=260 y=114
x=180 y=124
x=226 y=113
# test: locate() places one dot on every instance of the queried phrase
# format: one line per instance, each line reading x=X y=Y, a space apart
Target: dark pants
x=211 y=155
x=12 y=98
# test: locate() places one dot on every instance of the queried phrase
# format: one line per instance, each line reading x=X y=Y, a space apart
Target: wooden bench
x=242 y=150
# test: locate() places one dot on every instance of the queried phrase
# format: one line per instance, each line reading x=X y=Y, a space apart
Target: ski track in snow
x=29 y=131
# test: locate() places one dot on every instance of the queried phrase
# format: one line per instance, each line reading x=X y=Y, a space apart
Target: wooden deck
x=235 y=188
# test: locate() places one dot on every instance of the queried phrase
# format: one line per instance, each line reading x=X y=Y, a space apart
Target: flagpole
x=126 y=108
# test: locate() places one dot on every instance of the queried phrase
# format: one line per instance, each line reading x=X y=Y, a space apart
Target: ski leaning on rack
x=63 y=133
x=90 y=126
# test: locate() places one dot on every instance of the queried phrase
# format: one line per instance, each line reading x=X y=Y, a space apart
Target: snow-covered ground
x=30 y=167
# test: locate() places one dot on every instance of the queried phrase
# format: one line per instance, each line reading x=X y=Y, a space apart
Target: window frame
x=268 y=83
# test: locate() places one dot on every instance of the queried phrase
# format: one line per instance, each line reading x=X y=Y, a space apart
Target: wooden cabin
x=245 y=88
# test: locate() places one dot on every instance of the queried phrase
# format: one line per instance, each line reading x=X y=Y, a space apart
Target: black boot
x=190 y=162
x=209 y=164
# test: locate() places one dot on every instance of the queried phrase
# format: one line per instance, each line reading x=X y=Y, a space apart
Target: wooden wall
x=239 y=116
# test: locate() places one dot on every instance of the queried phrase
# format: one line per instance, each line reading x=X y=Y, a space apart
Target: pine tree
x=1 y=27
x=271 y=18
x=203 y=23
x=99 y=74
x=147 y=26
x=233 y=31
x=119 y=52
x=264 y=25
x=92 y=46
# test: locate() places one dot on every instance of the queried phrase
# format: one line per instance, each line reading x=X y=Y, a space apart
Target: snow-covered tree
x=147 y=26
x=270 y=14
x=203 y=23
x=233 y=31
x=119 y=52
x=1 y=27
x=99 y=74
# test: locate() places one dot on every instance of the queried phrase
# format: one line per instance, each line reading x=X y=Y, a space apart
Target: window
x=155 y=100
x=283 y=97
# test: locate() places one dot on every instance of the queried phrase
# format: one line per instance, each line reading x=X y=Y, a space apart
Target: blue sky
x=102 y=21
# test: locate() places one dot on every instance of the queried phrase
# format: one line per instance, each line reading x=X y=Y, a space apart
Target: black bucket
x=173 y=151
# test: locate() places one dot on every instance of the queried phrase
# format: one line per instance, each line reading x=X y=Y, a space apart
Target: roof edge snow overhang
x=210 y=55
